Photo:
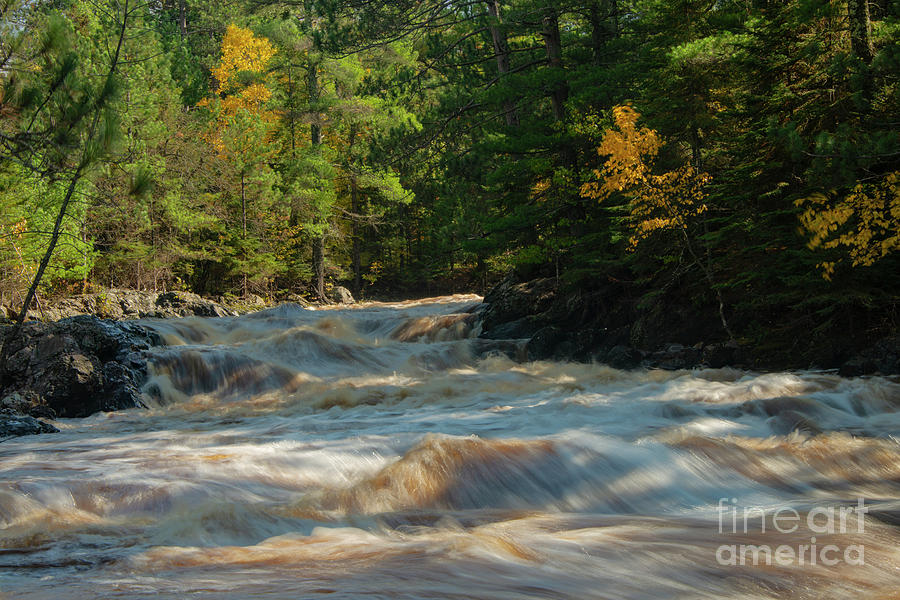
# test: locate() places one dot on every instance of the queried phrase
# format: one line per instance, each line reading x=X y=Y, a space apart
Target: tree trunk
x=312 y=89
x=318 y=259
x=354 y=208
x=54 y=239
x=553 y=44
x=315 y=133
x=604 y=19
x=243 y=209
x=244 y=232
x=294 y=218
x=501 y=50
x=860 y=29
x=182 y=19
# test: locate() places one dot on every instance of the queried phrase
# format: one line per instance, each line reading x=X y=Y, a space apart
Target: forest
x=739 y=155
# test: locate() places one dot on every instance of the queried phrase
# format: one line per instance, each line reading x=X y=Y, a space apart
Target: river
x=383 y=452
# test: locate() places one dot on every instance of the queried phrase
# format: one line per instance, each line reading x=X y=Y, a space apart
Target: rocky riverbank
x=605 y=325
x=82 y=355
x=132 y=304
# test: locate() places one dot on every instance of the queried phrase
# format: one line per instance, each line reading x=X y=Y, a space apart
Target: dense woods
x=741 y=155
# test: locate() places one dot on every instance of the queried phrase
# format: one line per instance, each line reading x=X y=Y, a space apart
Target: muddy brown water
x=379 y=452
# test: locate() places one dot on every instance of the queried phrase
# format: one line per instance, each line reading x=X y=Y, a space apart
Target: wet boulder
x=13 y=424
x=519 y=329
x=26 y=403
x=720 y=355
x=622 y=357
x=543 y=344
x=881 y=358
x=74 y=367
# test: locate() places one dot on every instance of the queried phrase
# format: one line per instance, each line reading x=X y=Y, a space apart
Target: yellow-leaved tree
x=657 y=201
x=243 y=122
x=865 y=222
x=241 y=80
x=243 y=54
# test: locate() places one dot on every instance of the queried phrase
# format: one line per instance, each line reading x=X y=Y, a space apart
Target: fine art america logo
x=828 y=521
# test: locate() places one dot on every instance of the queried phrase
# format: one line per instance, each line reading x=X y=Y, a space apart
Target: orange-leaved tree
x=657 y=201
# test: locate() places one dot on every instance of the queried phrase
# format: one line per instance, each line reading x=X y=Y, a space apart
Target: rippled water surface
x=383 y=452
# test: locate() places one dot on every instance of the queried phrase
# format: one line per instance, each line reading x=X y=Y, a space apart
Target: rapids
x=384 y=451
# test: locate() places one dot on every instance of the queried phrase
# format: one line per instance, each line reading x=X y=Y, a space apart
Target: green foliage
x=435 y=146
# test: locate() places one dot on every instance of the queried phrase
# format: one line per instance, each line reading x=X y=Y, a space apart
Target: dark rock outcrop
x=512 y=302
x=882 y=357
x=602 y=325
x=612 y=324
x=186 y=304
x=74 y=367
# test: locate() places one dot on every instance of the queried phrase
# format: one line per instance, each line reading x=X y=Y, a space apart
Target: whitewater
x=385 y=451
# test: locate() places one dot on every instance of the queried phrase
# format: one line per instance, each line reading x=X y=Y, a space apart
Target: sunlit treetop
x=242 y=116
x=630 y=151
x=241 y=51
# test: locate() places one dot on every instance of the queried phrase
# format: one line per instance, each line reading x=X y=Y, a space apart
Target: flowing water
x=383 y=452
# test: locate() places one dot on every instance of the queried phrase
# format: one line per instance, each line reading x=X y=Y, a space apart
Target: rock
x=342 y=295
x=131 y=304
x=27 y=403
x=623 y=357
x=511 y=301
x=512 y=349
x=15 y=402
x=136 y=304
x=675 y=357
x=543 y=345
x=858 y=366
x=580 y=344
x=186 y=304
x=789 y=421
x=74 y=367
x=13 y=424
x=519 y=329
x=882 y=358
x=717 y=356
x=296 y=299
